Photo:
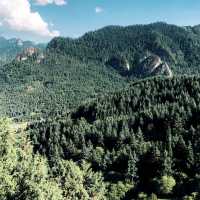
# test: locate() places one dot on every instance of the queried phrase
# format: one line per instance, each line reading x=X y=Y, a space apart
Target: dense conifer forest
x=143 y=139
x=84 y=122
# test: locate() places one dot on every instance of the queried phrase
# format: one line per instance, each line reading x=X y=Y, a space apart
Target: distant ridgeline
x=72 y=71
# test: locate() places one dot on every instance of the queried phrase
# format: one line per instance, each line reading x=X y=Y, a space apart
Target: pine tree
x=132 y=166
x=169 y=143
x=190 y=158
x=167 y=164
x=192 y=133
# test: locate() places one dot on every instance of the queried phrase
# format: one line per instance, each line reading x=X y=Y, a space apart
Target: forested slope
x=25 y=175
x=143 y=139
x=76 y=70
x=31 y=90
x=97 y=128
x=178 y=46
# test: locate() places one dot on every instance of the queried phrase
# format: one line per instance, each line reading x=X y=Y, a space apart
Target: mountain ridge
x=170 y=42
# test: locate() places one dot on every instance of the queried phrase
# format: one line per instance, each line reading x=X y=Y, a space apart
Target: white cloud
x=45 y=2
x=98 y=9
x=17 y=15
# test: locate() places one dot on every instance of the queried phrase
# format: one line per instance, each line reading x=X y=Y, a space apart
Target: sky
x=41 y=20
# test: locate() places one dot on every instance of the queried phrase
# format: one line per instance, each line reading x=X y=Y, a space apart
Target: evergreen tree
x=167 y=165
x=132 y=166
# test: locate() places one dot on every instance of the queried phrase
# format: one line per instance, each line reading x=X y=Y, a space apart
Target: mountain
x=10 y=48
x=144 y=139
x=111 y=115
x=72 y=71
x=177 y=46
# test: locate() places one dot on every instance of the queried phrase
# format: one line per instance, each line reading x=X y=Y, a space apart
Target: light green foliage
x=12 y=151
x=153 y=197
x=39 y=185
x=193 y=196
x=117 y=191
x=165 y=184
x=23 y=175
x=142 y=196
x=80 y=183
x=188 y=198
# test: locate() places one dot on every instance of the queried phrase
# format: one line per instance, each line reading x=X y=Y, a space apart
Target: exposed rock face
x=127 y=66
x=30 y=52
x=16 y=49
x=153 y=65
x=163 y=69
x=149 y=66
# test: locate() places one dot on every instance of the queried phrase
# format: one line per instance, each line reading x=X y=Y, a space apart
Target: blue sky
x=79 y=16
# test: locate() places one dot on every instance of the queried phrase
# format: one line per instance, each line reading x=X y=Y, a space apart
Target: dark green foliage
x=179 y=46
x=147 y=134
